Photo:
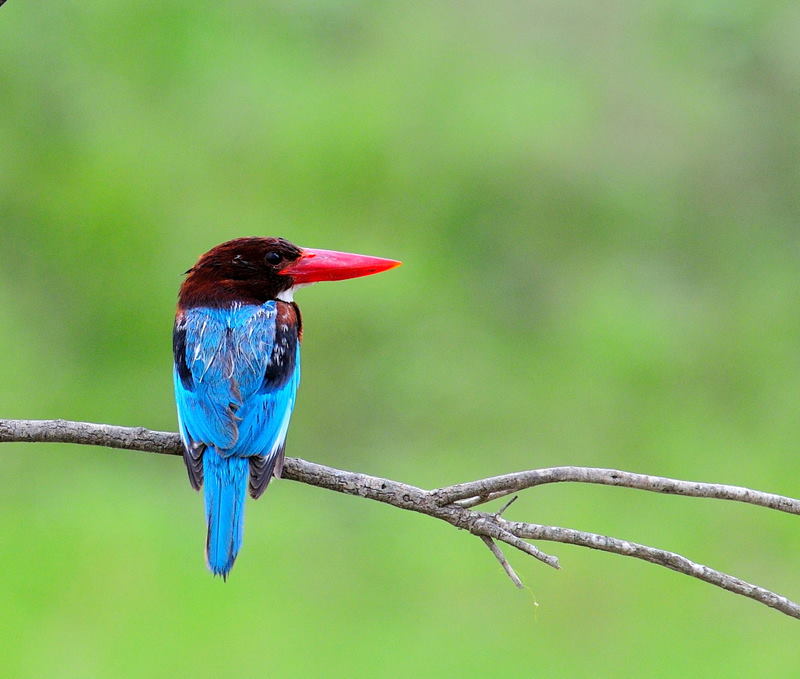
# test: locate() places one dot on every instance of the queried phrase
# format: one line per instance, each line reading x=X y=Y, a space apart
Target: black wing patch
x=179 y=352
x=262 y=469
x=193 y=457
x=283 y=358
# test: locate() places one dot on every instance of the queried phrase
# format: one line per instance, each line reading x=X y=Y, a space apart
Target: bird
x=236 y=348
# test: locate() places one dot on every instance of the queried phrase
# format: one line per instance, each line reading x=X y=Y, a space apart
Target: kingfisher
x=236 y=345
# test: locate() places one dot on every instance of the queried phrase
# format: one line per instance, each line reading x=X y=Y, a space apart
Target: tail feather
x=225 y=489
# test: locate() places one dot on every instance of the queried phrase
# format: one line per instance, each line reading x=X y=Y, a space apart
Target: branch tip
x=494 y=549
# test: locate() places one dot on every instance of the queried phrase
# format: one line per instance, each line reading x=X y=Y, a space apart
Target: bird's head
x=254 y=270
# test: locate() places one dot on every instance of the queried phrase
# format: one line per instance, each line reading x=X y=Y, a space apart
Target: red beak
x=328 y=265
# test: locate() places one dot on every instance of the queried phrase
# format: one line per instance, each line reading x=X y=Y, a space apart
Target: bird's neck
x=206 y=291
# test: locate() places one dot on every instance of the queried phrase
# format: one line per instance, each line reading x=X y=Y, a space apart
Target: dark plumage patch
x=193 y=457
x=179 y=352
x=299 y=318
x=283 y=358
x=262 y=469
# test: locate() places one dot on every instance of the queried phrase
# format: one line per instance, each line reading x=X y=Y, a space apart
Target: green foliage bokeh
x=597 y=204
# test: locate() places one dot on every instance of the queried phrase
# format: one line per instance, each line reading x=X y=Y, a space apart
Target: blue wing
x=236 y=375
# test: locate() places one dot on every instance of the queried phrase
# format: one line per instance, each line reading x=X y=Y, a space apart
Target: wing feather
x=227 y=396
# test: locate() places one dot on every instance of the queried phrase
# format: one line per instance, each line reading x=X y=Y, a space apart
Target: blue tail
x=225 y=480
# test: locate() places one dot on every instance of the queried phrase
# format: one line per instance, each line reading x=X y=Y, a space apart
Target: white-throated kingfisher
x=236 y=345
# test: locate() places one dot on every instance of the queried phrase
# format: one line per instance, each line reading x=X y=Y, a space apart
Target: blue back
x=225 y=397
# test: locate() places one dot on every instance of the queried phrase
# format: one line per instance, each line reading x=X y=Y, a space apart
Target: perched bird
x=236 y=344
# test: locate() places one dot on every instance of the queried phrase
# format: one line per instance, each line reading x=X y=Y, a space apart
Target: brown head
x=255 y=270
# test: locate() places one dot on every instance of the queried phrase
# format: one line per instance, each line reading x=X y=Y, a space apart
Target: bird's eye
x=272 y=258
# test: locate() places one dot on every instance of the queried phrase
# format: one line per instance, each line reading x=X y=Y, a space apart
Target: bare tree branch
x=478 y=492
x=452 y=504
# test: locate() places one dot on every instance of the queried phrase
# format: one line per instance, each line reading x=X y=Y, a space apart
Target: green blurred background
x=597 y=204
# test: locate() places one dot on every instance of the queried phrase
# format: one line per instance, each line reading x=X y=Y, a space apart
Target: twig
x=515 y=541
x=481 y=499
x=447 y=504
x=494 y=549
x=502 y=509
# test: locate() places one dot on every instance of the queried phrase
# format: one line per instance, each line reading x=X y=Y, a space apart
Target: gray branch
x=452 y=504
x=477 y=492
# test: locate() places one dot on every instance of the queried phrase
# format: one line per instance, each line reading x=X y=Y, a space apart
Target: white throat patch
x=288 y=295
